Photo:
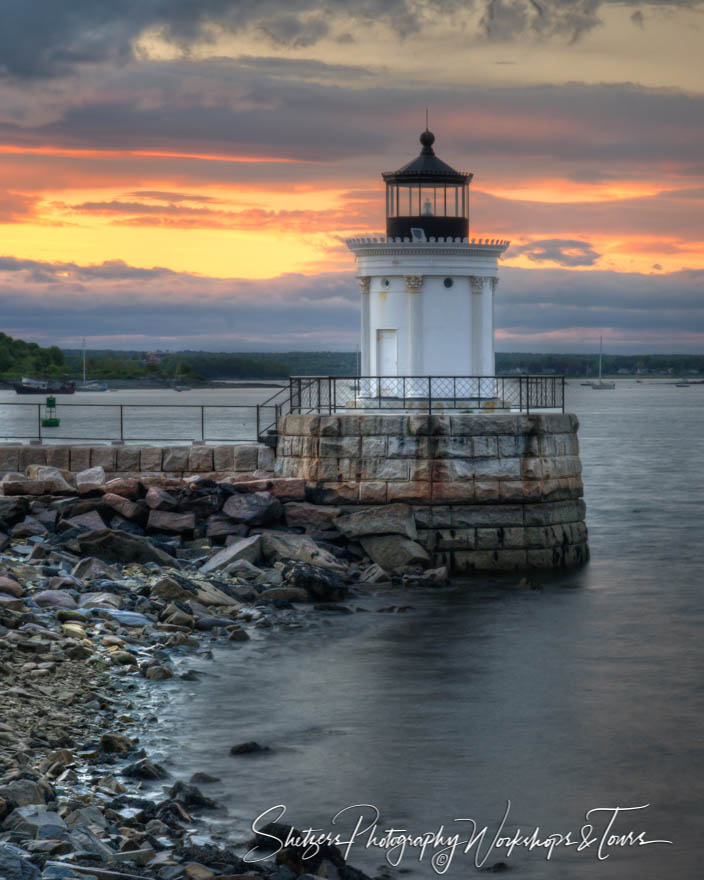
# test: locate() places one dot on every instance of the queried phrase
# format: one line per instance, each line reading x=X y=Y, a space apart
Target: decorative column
x=364 y=284
x=488 y=328
x=494 y=285
x=477 y=285
x=414 y=287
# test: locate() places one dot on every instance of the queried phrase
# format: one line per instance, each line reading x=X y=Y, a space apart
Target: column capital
x=364 y=281
x=477 y=282
x=414 y=283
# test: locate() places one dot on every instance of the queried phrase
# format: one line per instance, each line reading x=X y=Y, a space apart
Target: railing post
x=334 y=392
x=430 y=396
x=258 y=426
x=330 y=382
x=39 y=421
x=528 y=395
x=520 y=394
x=454 y=392
x=122 y=426
x=202 y=423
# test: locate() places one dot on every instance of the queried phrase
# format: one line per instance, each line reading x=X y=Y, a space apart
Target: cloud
x=564 y=251
x=536 y=309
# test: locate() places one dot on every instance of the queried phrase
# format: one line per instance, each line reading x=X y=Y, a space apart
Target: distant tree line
x=19 y=358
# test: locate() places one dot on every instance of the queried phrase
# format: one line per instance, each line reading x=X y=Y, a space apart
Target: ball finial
x=427 y=139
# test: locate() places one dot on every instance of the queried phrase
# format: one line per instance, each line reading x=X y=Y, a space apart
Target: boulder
x=320 y=583
x=219 y=525
x=254 y=509
x=311 y=517
x=241 y=568
x=174 y=523
x=56 y=482
x=145 y=769
x=118 y=546
x=99 y=600
x=90 y=568
x=23 y=792
x=159 y=499
x=393 y=551
x=11 y=586
x=248 y=549
x=88 y=521
x=28 y=528
x=282 y=546
x=35 y=820
x=168 y=589
x=18 y=484
x=126 y=487
x=13 y=509
x=432 y=577
x=122 y=505
x=208 y=594
x=374 y=574
x=15 y=864
x=389 y=519
x=90 y=480
x=55 y=599
x=288 y=594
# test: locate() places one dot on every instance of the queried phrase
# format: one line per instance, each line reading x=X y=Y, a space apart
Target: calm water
x=589 y=694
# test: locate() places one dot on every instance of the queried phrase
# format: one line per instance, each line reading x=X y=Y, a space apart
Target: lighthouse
x=427 y=287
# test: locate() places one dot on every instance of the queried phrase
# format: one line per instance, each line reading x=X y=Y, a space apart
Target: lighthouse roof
x=426 y=167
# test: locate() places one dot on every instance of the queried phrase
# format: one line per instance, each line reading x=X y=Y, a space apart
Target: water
x=142 y=414
x=588 y=694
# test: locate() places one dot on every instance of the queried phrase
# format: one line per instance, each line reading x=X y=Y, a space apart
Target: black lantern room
x=428 y=195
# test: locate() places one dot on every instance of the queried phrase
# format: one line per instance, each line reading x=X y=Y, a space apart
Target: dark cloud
x=564 y=251
x=47 y=38
x=536 y=309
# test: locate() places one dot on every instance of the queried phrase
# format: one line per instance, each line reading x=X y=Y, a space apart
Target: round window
x=384 y=282
x=448 y=282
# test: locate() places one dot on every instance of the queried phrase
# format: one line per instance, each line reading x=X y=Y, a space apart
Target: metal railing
x=428 y=394
x=235 y=423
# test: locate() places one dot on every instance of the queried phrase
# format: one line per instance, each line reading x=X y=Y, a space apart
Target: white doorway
x=386 y=358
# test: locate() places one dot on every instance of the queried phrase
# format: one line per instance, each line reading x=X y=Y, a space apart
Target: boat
x=44 y=386
x=177 y=384
x=601 y=385
x=89 y=386
x=683 y=383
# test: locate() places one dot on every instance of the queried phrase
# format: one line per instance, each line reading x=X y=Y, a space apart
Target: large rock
x=312 y=517
x=11 y=586
x=168 y=589
x=15 y=864
x=282 y=546
x=112 y=546
x=159 y=499
x=28 y=528
x=122 y=505
x=389 y=519
x=321 y=583
x=13 y=509
x=209 y=594
x=56 y=481
x=249 y=549
x=55 y=599
x=393 y=551
x=254 y=509
x=89 y=568
x=18 y=484
x=90 y=480
x=35 y=820
x=91 y=521
x=23 y=792
x=175 y=523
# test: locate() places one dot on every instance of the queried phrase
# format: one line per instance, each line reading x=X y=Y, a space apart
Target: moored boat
x=43 y=386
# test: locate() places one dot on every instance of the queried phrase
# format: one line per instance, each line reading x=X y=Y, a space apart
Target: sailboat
x=178 y=385
x=601 y=385
x=89 y=386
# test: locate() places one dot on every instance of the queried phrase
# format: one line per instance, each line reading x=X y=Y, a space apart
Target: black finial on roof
x=427 y=138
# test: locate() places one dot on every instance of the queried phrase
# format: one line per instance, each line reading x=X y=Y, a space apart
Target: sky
x=183 y=173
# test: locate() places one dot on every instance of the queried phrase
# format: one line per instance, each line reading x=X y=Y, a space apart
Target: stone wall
x=500 y=492
x=246 y=458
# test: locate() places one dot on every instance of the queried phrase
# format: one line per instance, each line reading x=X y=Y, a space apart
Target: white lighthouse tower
x=427 y=288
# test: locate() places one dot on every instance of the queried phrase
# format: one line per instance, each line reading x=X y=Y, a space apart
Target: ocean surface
x=587 y=695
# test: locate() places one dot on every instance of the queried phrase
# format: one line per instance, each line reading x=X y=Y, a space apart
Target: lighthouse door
x=386 y=357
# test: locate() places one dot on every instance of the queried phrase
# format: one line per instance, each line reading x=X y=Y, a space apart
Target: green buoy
x=50 y=420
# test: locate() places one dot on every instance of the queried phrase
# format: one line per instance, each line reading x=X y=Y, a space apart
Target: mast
x=600 y=344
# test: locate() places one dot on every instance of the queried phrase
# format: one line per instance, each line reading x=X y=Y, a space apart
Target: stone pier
x=488 y=492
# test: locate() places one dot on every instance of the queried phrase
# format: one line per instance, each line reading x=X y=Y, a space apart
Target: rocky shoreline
x=105 y=584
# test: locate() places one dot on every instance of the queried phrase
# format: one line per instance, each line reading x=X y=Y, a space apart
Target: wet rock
x=393 y=551
x=11 y=586
x=99 y=600
x=25 y=792
x=168 y=589
x=389 y=519
x=55 y=599
x=123 y=658
x=320 y=583
x=34 y=820
x=112 y=546
x=432 y=577
x=374 y=574
x=175 y=523
x=287 y=594
x=157 y=673
x=241 y=568
x=208 y=594
x=201 y=778
x=190 y=796
x=248 y=748
x=248 y=549
x=238 y=634
x=145 y=769
x=255 y=508
x=206 y=624
x=115 y=744
x=15 y=864
x=90 y=568
x=126 y=618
